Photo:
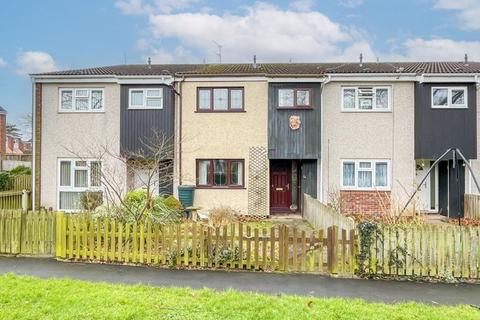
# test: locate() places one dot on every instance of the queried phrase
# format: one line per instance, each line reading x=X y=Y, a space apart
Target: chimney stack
x=466 y=59
x=149 y=61
x=361 y=60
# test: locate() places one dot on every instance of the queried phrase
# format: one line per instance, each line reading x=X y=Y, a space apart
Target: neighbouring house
x=256 y=137
x=14 y=151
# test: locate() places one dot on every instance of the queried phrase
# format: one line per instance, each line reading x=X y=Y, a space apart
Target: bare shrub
x=221 y=216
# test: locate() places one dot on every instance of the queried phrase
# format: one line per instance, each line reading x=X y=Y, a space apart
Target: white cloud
x=273 y=34
x=351 y=3
x=135 y=7
x=440 y=49
x=467 y=11
x=301 y=5
x=2 y=63
x=35 y=62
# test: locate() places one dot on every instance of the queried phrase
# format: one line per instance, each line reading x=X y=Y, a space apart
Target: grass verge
x=33 y=298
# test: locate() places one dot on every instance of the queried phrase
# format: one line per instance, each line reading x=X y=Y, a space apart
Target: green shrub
x=90 y=200
x=173 y=203
x=138 y=207
x=6 y=181
x=21 y=170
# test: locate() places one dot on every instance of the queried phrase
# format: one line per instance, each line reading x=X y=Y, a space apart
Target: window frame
x=450 y=105
x=296 y=106
x=71 y=187
x=74 y=89
x=212 y=99
x=373 y=168
x=374 y=99
x=145 y=98
x=210 y=178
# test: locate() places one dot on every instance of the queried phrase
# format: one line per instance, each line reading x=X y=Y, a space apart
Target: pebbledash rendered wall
x=369 y=135
x=228 y=135
x=67 y=135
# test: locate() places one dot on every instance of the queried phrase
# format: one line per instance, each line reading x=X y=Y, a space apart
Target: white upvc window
x=365 y=174
x=449 y=97
x=81 y=100
x=75 y=177
x=366 y=99
x=145 y=98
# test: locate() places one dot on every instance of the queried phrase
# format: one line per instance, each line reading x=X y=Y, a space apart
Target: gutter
x=180 y=111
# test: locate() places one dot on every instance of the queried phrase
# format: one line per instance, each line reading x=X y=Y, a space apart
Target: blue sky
x=37 y=36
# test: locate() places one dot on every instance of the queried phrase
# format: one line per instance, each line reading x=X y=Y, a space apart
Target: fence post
x=59 y=235
x=24 y=200
x=332 y=241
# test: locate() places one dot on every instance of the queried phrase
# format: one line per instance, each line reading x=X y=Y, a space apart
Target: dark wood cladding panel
x=285 y=143
x=436 y=130
x=139 y=126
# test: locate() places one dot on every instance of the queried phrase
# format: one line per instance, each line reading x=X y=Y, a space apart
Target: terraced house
x=256 y=137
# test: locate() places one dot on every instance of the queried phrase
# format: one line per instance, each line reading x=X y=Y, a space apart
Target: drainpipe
x=34 y=143
x=322 y=130
x=180 y=111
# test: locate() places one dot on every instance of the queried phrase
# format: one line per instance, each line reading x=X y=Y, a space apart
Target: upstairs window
x=295 y=98
x=145 y=98
x=365 y=174
x=366 y=99
x=220 y=99
x=449 y=97
x=220 y=173
x=81 y=100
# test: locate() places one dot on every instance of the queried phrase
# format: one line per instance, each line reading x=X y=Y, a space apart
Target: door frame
x=436 y=187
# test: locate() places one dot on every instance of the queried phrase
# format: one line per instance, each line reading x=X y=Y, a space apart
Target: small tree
x=153 y=159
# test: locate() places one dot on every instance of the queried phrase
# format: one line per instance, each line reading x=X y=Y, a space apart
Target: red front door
x=280 y=188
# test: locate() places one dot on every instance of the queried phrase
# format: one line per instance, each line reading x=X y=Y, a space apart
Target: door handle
x=288 y=186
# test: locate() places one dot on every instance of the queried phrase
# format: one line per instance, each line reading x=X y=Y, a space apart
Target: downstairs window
x=365 y=174
x=220 y=173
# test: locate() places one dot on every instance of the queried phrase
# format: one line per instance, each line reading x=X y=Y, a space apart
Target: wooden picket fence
x=424 y=251
x=12 y=199
x=191 y=244
x=471 y=206
x=22 y=182
x=27 y=233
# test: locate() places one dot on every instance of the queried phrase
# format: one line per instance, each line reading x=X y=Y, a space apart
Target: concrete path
x=269 y=283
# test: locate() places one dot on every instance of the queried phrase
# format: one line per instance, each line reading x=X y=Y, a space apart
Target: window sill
x=220 y=111
x=294 y=108
x=81 y=112
x=366 y=189
x=220 y=188
x=366 y=111
x=141 y=108
x=447 y=108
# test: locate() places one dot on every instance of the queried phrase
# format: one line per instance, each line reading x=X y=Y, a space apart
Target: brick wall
x=367 y=202
x=37 y=139
x=3 y=133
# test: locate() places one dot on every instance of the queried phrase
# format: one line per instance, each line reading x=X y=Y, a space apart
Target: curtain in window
x=440 y=97
x=203 y=172
x=364 y=179
x=136 y=98
x=236 y=99
x=220 y=99
x=81 y=178
x=381 y=174
x=303 y=97
x=70 y=200
x=67 y=100
x=220 y=172
x=204 y=98
x=458 y=97
x=349 y=174
x=97 y=99
x=65 y=170
x=381 y=98
x=349 y=98
x=95 y=173
x=285 y=97
x=236 y=173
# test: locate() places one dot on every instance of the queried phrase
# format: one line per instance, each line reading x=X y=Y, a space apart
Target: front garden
x=31 y=298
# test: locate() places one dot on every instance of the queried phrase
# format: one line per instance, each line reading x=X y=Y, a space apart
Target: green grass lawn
x=33 y=298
